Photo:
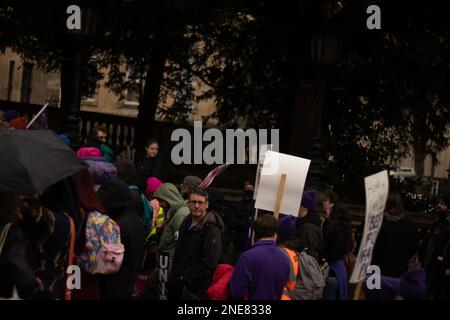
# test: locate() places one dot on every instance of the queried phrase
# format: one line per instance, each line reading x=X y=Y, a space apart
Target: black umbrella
x=32 y=160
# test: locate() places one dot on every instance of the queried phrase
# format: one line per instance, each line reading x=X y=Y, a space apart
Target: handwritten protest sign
x=377 y=188
x=275 y=165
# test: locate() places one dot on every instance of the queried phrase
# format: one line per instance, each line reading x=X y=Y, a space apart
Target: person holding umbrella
x=32 y=162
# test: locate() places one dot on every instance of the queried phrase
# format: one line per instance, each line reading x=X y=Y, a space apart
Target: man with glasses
x=198 y=250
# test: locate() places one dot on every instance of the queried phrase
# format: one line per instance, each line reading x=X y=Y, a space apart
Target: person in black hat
x=397 y=240
x=308 y=226
x=117 y=201
x=188 y=183
x=435 y=249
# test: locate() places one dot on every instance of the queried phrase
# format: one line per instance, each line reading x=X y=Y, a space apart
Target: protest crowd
x=134 y=235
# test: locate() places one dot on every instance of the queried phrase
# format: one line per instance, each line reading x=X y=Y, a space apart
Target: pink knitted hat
x=88 y=152
x=152 y=184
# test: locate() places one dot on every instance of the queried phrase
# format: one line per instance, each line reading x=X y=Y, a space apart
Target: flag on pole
x=212 y=174
x=40 y=120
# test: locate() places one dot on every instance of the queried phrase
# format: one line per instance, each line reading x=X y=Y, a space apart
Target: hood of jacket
x=115 y=197
x=311 y=217
x=170 y=194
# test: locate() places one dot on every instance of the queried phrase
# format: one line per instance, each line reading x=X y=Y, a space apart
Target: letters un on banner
x=377 y=188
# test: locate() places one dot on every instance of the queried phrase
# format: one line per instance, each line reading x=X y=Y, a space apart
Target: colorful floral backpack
x=103 y=252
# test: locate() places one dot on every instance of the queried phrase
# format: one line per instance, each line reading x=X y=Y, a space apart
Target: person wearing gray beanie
x=189 y=182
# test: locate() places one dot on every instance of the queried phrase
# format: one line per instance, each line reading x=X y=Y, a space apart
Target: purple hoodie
x=260 y=273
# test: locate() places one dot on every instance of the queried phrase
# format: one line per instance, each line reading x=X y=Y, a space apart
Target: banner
x=377 y=188
x=212 y=174
x=41 y=118
x=163 y=276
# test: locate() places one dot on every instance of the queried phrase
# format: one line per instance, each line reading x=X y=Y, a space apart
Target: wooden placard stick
x=358 y=290
x=276 y=211
x=251 y=227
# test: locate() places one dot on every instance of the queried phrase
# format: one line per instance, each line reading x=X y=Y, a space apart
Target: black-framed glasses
x=195 y=202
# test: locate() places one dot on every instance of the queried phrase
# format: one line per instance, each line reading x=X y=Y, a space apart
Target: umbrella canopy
x=32 y=160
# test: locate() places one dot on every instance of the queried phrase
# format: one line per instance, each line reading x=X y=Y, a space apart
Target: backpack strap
x=68 y=293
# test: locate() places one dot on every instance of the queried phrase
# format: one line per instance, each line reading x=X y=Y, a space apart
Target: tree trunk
x=290 y=117
x=419 y=162
x=148 y=105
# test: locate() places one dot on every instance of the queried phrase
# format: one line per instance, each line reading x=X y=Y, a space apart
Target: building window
x=25 y=90
x=132 y=95
x=10 y=79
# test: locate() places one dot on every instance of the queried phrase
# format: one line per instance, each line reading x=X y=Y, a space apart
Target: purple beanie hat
x=309 y=200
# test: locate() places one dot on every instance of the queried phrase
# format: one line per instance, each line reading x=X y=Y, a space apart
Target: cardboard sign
x=262 y=154
x=377 y=188
x=276 y=164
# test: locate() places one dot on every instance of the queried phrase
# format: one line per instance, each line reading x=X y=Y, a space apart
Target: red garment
x=219 y=288
x=19 y=123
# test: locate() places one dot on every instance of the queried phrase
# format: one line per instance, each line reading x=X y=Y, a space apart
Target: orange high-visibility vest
x=290 y=285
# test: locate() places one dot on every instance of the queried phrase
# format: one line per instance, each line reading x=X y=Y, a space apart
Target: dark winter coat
x=396 y=244
x=48 y=241
x=309 y=234
x=196 y=256
x=117 y=200
x=434 y=245
x=15 y=269
x=244 y=211
x=148 y=167
x=335 y=243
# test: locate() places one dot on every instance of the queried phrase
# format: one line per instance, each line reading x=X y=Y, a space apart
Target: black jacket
x=335 y=244
x=15 y=268
x=146 y=168
x=244 y=211
x=196 y=256
x=309 y=234
x=396 y=244
x=117 y=200
x=435 y=244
